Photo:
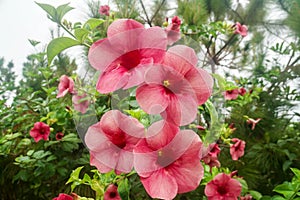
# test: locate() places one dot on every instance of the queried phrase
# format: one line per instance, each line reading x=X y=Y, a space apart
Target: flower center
x=112 y=195
x=222 y=190
x=166 y=83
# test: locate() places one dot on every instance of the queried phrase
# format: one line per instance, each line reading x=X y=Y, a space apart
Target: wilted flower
x=237 y=149
x=166 y=161
x=104 y=10
x=223 y=187
x=63 y=196
x=80 y=103
x=111 y=193
x=112 y=140
x=231 y=94
x=241 y=29
x=66 y=84
x=40 y=131
x=126 y=53
x=253 y=122
x=59 y=136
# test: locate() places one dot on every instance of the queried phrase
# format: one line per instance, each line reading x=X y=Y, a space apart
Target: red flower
x=111 y=193
x=173 y=30
x=231 y=94
x=66 y=84
x=242 y=91
x=111 y=141
x=237 y=149
x=63 y=196
x=175 y=88
x=126 y=53
x=223 y=187
x=241 y=29
x=167 y=160
x=210 y=155
x=80 y=104
x=40 y=131
x=253 y=122
x=59 y=136
x=211 y=161
x=104 y=10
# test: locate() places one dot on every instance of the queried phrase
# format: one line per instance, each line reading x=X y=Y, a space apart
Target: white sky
x=21 y=20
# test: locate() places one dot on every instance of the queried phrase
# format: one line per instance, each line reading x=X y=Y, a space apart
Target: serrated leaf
x=57 y=45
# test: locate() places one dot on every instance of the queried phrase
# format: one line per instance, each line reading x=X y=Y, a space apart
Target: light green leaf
x=51 y=11
x=80 y=34
x=256 y=195
x=286 y=189
x=57 y=45
x=296 y=172
x=93 y=23
x=74 y=175
x=221 y=81
x=62 y=10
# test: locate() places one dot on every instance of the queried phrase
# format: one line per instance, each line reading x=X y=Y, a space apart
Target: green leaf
x=57 y=45
x=296 y=172
x=93 y=23
x=256 y=195
x=33 y=42
x=286 y=189
x=221 y=81
x=80 y=34
x=50 y=10
x=75 y=175
x=123 y=189
x=62 y=10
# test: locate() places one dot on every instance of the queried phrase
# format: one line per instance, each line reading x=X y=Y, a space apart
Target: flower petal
x=121 y=25
x=152 y=98
x=160 y=185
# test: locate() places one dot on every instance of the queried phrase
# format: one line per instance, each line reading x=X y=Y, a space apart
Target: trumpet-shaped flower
x=111 y=193
x=253 y=122
x=223 y=187
x=126 y=53
x=40 y=131
x=112 y=140
x=241 y=29
x=237 y=149
x=175 y=88
x=166 y=160
x=173 y=30
x=231 y=94
x=63 y=196
x=66 y=84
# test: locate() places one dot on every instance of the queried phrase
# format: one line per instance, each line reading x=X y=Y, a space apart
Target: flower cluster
x=168 y=83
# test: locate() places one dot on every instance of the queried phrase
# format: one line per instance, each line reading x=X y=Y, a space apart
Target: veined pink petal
x=160 y=185
x=153 y=98
x=99 y=165
x=102 y=54
x=154 y=39
x=110 y=81
x=122 y=25
x=187 y=170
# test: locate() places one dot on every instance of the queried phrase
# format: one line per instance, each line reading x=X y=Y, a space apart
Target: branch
x=157 y=10
x=147 y=17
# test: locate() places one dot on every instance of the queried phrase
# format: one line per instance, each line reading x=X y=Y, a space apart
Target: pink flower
x=80 y=103
x=40 y=131
x=175 y=88
x=111 y=193
x=63 y=196
x=211 y=161
x=231 y=94
x=112 y=140
x=59 y=136
x=104 y=10
x=232 y=127
x=66 y=84
x=126 y=53
x=209 y=155
x=237 y=149
x=253 y=122
x=173 y=30
x=241 y=29
x=166 y=160
x=223 y=187
x=242 y=91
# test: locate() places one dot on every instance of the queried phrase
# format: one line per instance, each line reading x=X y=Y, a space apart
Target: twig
x=144 y=9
